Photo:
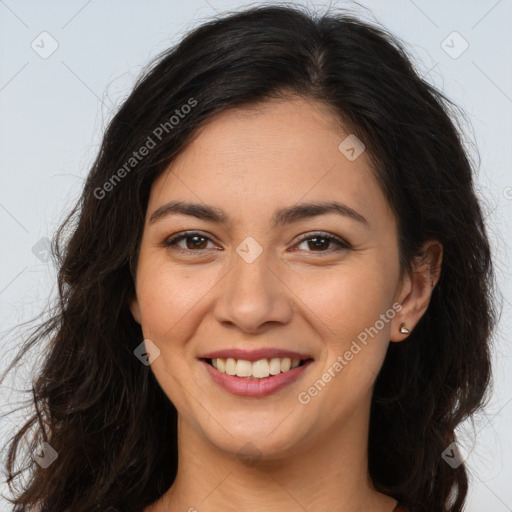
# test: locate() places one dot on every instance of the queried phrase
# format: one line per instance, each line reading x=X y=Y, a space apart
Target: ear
x=134 y=308
x=416 y=289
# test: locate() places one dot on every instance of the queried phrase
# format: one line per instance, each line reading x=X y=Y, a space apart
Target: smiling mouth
x=254 y=370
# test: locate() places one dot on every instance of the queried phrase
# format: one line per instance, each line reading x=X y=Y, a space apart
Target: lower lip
x=257 y=388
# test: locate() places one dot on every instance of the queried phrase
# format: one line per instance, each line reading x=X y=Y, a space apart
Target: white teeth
x=257 y=369
x=243 y=368
x=230 y=366
x=260 y=369
x=275 y=366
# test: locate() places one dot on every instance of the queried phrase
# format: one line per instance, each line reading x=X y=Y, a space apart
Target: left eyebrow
x=314 y=209
x=281 y=217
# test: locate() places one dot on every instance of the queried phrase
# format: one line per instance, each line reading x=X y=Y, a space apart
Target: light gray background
x=53 y=111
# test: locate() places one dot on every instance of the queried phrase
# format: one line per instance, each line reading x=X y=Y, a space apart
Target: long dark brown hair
x=103 y=411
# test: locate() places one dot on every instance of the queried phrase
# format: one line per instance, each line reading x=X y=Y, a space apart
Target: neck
x=327 y=473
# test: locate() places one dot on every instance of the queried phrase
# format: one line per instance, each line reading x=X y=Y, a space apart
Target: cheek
x=348 y=312
x=171 y=299
x=169 y=295
x=347 y=301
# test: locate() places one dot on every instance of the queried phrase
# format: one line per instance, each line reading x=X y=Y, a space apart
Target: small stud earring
x=404 y=329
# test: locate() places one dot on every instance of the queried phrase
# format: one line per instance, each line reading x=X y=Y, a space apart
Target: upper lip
x=255 y=355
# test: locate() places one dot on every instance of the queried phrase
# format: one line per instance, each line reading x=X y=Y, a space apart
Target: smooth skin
x=309 y=296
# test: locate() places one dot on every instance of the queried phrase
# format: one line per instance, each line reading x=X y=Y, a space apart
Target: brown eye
x=197 y=242
x=319 y=242
x=194 y=242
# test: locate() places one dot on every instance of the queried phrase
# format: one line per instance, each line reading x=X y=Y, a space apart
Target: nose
x=253 y=296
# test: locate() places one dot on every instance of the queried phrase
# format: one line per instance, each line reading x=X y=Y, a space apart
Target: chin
x=269 y=440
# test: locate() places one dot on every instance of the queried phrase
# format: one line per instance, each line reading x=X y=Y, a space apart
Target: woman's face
x=250 y=288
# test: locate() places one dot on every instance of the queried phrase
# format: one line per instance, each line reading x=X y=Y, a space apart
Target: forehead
x=274 y=154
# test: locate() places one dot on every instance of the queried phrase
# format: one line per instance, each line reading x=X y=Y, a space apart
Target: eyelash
x=342 y=244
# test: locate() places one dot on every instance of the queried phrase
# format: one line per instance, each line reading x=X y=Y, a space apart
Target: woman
x=276 y=291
